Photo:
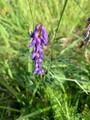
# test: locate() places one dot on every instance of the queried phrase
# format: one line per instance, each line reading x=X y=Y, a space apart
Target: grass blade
x=65 y=3
x=35 y=113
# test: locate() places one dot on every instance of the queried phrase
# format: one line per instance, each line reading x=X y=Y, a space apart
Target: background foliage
x=63 y=93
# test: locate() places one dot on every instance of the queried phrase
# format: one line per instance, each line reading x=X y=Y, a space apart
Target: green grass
x=63 y=93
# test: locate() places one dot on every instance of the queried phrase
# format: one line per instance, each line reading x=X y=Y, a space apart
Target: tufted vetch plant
x=39 y=39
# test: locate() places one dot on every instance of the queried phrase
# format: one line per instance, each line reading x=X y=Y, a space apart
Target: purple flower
x=86 y=39
x=39 y=39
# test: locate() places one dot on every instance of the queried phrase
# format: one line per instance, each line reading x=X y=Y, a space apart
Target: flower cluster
x=88 y=31
x=39 y=39
x=86 y=39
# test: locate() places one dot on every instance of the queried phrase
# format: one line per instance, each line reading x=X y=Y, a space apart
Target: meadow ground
x=63 y=93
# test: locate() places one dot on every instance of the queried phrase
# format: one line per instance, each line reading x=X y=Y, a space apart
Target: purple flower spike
x=39 y=39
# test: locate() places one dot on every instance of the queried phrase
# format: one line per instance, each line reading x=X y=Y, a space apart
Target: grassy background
x=63 y=92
